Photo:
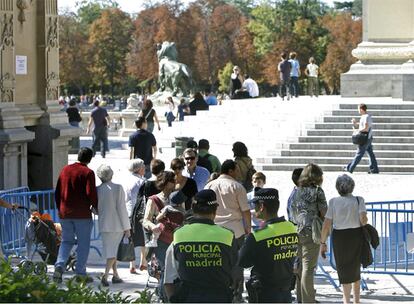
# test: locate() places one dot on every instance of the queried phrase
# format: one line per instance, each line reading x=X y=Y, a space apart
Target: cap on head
x=268 y=195
x=206 y=197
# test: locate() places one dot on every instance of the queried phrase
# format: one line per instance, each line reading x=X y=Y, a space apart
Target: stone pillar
x=13 y=135
x=48 y=153
x=385 y=56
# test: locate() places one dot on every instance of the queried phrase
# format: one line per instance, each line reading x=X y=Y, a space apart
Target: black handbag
x=125 y=250
x=361 y=138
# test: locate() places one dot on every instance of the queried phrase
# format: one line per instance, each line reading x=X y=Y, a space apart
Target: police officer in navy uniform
x=199 y=262
x=271 y=251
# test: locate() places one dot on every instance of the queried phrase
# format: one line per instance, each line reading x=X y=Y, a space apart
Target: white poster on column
x=21 y=65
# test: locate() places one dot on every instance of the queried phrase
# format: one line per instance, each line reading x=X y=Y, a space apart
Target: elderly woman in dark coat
x=346 y=213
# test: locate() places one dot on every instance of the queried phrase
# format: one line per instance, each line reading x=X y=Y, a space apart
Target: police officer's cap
x=269 y=195
x=206 y=197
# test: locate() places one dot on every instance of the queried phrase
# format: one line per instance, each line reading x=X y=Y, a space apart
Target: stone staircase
x=328 y=143
x=286 y=135
x=263 y=124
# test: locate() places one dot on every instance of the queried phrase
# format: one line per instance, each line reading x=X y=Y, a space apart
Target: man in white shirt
x=233 y=213
x=364 y=125
x=312 y=71
x=251 y=86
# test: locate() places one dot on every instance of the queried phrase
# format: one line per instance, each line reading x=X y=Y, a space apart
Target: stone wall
x=34 y=134
x=385 y=56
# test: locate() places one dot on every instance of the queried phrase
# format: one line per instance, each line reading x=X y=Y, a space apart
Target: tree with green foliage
x=110 y=38
x=224 y=77
x=91 y=10
x=354 y=7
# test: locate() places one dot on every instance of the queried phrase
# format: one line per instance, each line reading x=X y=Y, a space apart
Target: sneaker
x=116 y=280
x=104 y=282
x=83 y=278
x=57 y=275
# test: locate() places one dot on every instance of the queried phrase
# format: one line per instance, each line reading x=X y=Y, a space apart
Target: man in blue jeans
x=101 y=121
x=364 y=125
x=75 y=195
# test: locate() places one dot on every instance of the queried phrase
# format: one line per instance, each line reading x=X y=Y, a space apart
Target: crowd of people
x=202 y=222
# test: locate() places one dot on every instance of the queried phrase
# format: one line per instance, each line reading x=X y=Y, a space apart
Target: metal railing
x=393 y=221
x=12 y=230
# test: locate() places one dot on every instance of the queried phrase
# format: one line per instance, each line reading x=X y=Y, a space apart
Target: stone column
x=385 y=56
x=13 y=135
x=48 y=153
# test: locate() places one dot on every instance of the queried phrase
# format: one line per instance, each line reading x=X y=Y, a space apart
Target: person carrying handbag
x=155 y=204
x=347 y=215
x=364 y=126
x=113 y=221
x=309 y=202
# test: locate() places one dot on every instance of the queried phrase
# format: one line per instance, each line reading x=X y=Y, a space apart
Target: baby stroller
x=44 y=234
x=154 y=271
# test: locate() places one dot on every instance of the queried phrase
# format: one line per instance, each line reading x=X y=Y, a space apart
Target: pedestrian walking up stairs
x=328 y=143
x=283 y=135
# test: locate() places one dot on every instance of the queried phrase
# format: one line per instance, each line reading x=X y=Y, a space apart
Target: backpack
x=203 y=161
x=247 y=184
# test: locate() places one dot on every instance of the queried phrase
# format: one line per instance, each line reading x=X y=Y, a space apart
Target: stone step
x=350 y=146
x=347 y=139
x=374 y=113
x=334 y=168
x=387 y=126
x=348 y=132
x=378 y=119
x=334 y=160
x=340 y=153
x=401 y=106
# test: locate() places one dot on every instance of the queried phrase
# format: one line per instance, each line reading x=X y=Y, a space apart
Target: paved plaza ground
x=382 y=187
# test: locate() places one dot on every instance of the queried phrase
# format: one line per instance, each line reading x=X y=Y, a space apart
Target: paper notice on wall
x=410 y=242
x=21 y=65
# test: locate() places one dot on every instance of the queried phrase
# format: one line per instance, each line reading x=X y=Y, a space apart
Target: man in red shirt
x=75 y=194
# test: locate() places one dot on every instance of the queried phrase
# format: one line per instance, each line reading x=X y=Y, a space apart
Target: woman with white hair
x=113 y=220
x=346 y=213
x=132 y=188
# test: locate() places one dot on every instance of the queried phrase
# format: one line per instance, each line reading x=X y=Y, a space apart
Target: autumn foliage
x=105 y=49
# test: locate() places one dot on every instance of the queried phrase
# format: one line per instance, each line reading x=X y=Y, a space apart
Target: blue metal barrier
x=14 y=190
x=12 y=231
x=393 y=221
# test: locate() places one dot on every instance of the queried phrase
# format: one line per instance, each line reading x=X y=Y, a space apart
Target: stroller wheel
x=40 y=268
x=70 y=264
x=26 y=265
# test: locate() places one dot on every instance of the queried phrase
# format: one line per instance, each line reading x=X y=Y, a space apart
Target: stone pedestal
x=128 y=122
x=13 y=148
x=159 y=98
x=385 y=66
x=48 y=152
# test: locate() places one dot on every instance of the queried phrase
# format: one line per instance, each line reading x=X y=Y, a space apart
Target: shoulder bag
x=360 y=138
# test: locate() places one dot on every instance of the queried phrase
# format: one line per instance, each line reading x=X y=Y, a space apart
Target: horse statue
x=173 y=76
